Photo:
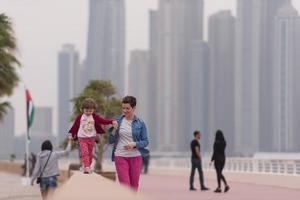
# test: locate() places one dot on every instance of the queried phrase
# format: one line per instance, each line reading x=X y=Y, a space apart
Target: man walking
x=196 y=162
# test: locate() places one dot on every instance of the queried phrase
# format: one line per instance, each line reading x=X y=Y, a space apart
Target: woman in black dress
x=218 y=158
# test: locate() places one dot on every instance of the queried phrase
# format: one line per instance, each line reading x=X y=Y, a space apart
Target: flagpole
x=29 y=117
x=26 y=179
x=26 y=138
x=27 y=153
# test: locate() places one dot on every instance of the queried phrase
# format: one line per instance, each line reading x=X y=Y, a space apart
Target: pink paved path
x=173 y=187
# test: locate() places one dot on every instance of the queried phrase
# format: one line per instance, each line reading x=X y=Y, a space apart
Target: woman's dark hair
x=130 y=100
x=47 y=145
x=219 y=136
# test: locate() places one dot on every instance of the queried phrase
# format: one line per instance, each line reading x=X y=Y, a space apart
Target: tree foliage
x=8 y=62
x=102 y=91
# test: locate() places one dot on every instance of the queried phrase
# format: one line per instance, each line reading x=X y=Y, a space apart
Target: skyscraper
x=43 y=122
x=221 y=40
x=138 y=81
x=253 y=113
x=196 y=99
x=42 y=129
x=152 y=123
x=265 y=12
x=246 y=81
x=68 y=62
x=286 y=80
x=179 y=24
x=106 y=42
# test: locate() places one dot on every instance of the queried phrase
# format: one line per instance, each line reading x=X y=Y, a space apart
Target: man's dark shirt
x=195 y=143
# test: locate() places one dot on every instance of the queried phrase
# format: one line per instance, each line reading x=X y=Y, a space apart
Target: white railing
x=248 y=165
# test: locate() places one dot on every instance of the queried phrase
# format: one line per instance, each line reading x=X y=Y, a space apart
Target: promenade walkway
x=92 y=187
x=174 y=186
x=11 y=188
x=159 y=184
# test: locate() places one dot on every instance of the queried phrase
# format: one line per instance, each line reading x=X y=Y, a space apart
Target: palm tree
x=8 y=62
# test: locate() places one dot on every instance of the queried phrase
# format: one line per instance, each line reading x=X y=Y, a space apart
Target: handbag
x=38 y=180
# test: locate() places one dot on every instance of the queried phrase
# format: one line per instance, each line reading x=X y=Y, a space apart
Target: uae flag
x=29 y=111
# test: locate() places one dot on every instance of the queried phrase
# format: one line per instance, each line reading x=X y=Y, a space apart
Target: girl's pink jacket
x=98 y=122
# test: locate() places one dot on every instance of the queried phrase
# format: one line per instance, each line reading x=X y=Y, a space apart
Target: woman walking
x=218 y=158
x=129 y=142
x=46 y=169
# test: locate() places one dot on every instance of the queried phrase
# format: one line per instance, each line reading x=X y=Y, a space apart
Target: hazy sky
x=42 y=26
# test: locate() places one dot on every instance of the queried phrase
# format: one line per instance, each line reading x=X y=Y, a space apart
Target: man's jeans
x=196 y=163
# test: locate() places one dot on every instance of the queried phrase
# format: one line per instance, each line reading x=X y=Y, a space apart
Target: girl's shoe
x=218 y=190
x=86 y=170
x=226 y=188
x=81 y=169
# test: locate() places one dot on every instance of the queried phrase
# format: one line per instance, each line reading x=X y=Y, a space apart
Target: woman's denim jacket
x=139 y=135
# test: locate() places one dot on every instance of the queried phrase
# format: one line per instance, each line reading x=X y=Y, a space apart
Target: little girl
x=85 y=128
x=47 y=169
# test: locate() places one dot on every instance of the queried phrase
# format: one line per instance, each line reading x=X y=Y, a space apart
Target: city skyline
x=247 y=81
x=30 y=74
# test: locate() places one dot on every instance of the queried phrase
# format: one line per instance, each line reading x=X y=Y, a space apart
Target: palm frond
x=8 y=61
x=4 y=106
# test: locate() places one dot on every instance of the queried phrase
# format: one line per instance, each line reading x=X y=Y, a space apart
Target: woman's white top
x=125 y=137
